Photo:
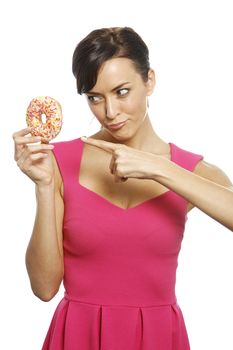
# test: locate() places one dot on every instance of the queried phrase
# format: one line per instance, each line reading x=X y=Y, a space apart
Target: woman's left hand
x=127 y=161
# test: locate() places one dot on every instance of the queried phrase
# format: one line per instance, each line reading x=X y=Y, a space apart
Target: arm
x=44 y=255
x=208 y=188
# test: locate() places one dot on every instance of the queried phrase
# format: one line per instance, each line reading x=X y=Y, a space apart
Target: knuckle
x=15 y=138
x=28 y=148
x=117 y=152
x=120 y=150
x=31 y=157
x=122 y=146
x=45 y=146
x=15 y=134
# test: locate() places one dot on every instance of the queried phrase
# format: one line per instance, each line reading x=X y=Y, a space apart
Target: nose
x=111 y=108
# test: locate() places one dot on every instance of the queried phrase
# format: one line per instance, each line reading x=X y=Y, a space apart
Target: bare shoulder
x=213 y=173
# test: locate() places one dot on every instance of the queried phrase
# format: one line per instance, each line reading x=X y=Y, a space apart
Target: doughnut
x=51 y=108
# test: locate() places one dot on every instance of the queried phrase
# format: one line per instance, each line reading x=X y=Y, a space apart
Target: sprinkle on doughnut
x=52 y=110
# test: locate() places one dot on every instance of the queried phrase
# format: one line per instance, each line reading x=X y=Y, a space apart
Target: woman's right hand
x=33 y=158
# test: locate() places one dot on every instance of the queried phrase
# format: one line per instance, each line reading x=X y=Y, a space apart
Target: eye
x=93 y=99
x=123 y=92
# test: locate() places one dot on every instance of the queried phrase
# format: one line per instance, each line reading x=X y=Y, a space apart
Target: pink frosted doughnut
x=52 y=110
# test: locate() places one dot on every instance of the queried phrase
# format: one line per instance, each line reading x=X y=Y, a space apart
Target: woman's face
x=120 y=95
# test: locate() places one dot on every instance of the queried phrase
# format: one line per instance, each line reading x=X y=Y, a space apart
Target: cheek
x=137 y=104
x=97 y=112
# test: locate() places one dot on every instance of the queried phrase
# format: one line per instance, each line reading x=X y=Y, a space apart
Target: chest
x=95 y=176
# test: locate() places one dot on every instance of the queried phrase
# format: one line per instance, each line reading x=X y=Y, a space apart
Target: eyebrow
x=114 y=89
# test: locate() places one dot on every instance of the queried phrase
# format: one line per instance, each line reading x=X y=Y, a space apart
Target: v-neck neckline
x=113 y=205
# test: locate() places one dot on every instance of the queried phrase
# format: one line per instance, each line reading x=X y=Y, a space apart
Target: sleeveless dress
x=120 y=266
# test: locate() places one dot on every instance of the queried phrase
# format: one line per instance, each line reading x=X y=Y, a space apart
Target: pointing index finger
x=105 y=145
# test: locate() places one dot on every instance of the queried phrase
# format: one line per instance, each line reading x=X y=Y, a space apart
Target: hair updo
x=103 y=44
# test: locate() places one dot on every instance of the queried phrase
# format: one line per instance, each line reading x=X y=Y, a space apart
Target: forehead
x=115 y=71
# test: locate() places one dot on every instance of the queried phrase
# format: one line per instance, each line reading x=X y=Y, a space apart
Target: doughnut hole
x=43 y=118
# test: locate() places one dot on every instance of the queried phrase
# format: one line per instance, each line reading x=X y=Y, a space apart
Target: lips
x=117 y=123
x=116 y=126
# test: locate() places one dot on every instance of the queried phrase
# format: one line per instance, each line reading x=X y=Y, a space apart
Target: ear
x=151 y=82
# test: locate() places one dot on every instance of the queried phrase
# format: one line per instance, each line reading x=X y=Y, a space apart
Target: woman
x=111 y=209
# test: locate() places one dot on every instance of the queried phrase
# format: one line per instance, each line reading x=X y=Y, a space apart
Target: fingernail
x=83 y=138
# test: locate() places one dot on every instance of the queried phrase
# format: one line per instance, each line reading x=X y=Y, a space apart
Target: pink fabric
x=120 y=266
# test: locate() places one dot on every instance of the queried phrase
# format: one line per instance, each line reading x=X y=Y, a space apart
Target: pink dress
x=120 y=266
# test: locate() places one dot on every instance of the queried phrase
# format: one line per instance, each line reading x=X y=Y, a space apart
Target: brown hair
x=103 y=44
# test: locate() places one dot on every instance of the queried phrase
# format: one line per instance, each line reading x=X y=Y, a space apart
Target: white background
x=191 y=50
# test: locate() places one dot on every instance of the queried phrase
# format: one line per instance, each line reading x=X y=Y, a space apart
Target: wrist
x=45 y=187
x=162 y=170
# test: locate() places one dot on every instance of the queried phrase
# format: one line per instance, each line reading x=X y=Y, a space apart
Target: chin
x=112 y=138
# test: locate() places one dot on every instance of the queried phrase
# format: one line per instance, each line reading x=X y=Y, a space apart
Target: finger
x=123 y=179
x=111 y=165
x=22 y=140
x=25 y=152
x=117 y=178
x=105 y=145
x=21 y=132
x=25 y=163
x=114 y=167
x=36 y=156
x=39 y=147
x=30 y=151
x=120 y=178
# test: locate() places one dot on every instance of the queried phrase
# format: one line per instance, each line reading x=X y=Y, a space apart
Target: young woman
x=111 y=209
